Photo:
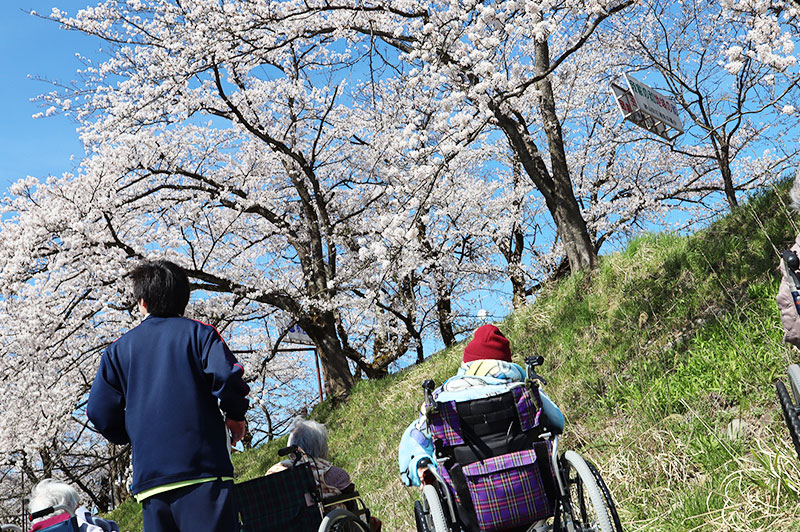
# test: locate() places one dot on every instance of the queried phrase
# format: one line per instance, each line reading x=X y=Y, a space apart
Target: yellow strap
x=142 y=495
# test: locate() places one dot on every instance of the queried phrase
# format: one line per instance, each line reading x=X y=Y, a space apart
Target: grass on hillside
x=663 y=362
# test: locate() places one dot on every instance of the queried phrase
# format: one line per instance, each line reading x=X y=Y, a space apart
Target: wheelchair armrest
x=52 y=510
x=350 y=499
x=351 y=495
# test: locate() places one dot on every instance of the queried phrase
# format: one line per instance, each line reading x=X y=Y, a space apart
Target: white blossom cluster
x=770 y=37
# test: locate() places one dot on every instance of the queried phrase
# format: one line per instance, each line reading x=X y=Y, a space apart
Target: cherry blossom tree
x=199 y=156
x=489 y=61
x=270 y=161
x=255 y=163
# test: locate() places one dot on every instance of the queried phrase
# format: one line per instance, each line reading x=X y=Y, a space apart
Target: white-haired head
x=50 y=492
x=794 y=193
x=310 y=436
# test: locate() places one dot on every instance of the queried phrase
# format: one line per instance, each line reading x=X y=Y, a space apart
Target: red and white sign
x=647 y=109
x=654 y=104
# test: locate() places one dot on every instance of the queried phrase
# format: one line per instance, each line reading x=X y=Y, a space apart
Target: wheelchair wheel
x=789 y=415
x=589 y=508
x=794 y=382
x=432 y=512
x=419 y=518
x=340 y=520
x=612 y=508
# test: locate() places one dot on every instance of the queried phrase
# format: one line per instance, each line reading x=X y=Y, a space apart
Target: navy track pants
x=207 y=507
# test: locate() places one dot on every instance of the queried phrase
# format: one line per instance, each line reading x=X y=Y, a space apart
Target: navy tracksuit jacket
x=161 y=387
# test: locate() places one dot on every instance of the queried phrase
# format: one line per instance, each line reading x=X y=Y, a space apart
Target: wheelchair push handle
x=292 y=449
x=532 y=362
x=792 y=264
x=790 y=258
x=428 y=386
x=51 y=509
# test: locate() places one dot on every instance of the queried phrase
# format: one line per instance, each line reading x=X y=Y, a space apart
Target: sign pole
x=289 y=329
x=24 y=521
x=319 y=376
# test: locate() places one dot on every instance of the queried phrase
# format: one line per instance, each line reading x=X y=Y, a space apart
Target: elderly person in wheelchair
x=312 y=439
x=304 y=492
x=485 y=452
x=788 y=300
x=486 y=370
x=54 y=507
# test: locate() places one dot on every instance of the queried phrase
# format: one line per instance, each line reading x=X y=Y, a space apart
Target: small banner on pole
x=294 y=333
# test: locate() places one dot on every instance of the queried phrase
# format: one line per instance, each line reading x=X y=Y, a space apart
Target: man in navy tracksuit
x=161 y=387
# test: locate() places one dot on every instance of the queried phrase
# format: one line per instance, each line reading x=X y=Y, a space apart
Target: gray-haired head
x=794 y=193
x=310 y=436
x=50 y=492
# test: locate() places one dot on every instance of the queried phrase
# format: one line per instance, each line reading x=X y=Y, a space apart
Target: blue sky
x=36 y=47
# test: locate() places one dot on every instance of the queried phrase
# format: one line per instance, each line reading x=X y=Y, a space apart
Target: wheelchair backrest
x=493 y=459
x=483 y=428
x=57 y=512
x=284 y=501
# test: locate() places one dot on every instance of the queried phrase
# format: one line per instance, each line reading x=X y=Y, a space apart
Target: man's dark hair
x=163 y=286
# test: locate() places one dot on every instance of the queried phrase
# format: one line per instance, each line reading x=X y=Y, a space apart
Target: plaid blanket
x=506 y=490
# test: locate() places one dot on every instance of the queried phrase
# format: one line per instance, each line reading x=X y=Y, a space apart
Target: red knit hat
x=488 y=342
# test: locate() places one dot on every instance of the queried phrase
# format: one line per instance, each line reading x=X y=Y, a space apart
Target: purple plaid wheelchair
x=291 y=501
x=790 y=402
x=499 y=469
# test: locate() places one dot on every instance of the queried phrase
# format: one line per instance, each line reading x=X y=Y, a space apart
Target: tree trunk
x=420 y=349
x=338 y=380
x=247 y=439
x=118 y=466
x=444 y=308
x=270 y=433
x=562 y=204
x=556 y=188
x=519 y=294
x=105 y=504
x=723 y=155
x=512 y=247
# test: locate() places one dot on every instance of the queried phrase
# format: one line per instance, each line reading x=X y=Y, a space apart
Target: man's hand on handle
x=237 y=429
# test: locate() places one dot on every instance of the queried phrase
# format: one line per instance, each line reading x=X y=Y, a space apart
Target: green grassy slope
x=663 y=362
